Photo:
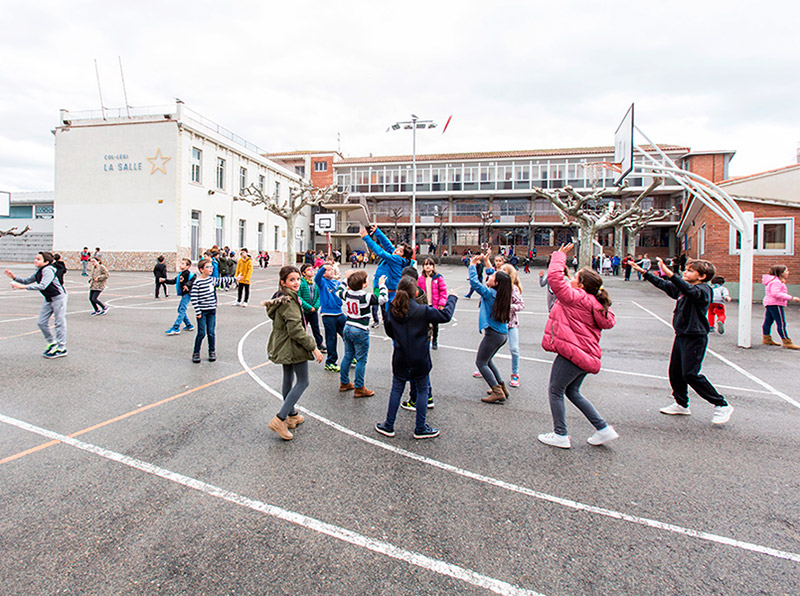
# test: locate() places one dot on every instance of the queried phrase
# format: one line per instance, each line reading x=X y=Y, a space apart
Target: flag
x=446 y=124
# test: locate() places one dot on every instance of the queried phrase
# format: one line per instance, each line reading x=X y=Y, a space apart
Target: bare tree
x=300 y=197
x=590 y=214
x=639 y=221
x=396 y=214
x=441 y=213
x=486 y=228
x=13 y=231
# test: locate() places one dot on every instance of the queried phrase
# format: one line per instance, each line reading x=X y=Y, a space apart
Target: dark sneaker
x=189 y=328
x=435 y=345
x=102 y=312
x=332 y=367
x=408 y=405
x=375 y=324
x=57 y=353
x=720 y=327
x=384 y=430
x=94 y=313
x=323 y=350
x=49 y=348
x=426 y=433
x=430 y=402
x=212 y=356
x=195 y=357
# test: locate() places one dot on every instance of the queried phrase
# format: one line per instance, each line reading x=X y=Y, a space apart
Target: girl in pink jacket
x=776 y=297
x=573 y=329
x=435 y=290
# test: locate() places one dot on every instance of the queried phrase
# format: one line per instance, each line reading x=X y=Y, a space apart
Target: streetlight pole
x=413 y=124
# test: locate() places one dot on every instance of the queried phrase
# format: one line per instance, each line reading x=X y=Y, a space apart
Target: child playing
x=357 y=303
x=46 y=282
x=393 y=260
x=331 y=310
x=244 y=272
x=97 y=283
x=517 y=305
x=716 y=310
x=494 y=314
x=309 y=299
x=290 y=346
x=776 y=297
x=435 y=290
x=160 y=274
x=204 y=301
x=573 y=332
x=183 y=288
x=690 y=321
x=407 y=324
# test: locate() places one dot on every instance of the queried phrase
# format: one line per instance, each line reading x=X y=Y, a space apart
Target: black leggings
x=94 y=300
x=244 y=289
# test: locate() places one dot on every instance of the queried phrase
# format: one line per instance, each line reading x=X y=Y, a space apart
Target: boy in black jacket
x=160 y=273
x=183 y=288
x=690 y=321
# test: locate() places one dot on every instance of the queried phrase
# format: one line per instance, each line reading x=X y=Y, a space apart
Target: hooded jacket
x=288 y=343
x=574 y=326
x=775 y=291
x=438 y=297
x=391 y=265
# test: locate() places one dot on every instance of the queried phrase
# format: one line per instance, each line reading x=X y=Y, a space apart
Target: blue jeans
x=182 y=317
x=333 y=324
x=398 y=387
x=206 y=323
x=775 y=314
x=513 y=347
x=356 y=343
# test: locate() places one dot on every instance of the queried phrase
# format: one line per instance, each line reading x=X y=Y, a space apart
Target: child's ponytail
x=593 y=284
x=402 y=297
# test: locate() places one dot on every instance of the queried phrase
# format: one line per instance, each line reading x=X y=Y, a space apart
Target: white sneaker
x=603 y=436
x=722 y=414
x=235 y=304
x=243 y=305
x=477 y=374
x=676 y=410
x=555 y=440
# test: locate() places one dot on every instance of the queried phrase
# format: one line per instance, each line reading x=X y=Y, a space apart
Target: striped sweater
x=204 y=292
x=357 y=304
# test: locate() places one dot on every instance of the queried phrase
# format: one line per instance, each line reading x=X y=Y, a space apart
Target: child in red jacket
x=573 y=332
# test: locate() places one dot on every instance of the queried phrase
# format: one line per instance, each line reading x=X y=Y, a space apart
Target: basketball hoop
x=596 y=170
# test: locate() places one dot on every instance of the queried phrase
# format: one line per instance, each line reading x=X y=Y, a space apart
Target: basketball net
x=596 y=170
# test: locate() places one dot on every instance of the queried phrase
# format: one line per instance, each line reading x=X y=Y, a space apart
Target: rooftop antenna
x=124 y=91
x=99 y=90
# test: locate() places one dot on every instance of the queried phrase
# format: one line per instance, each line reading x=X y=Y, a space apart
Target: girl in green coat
x=290 y=346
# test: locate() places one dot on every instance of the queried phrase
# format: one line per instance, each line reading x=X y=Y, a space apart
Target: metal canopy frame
x=725 y=207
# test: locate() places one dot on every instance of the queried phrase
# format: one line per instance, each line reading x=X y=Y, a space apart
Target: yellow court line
x=11 y=458
x=20 y=335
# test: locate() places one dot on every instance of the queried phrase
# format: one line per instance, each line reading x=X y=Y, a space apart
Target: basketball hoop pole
x=724 y=206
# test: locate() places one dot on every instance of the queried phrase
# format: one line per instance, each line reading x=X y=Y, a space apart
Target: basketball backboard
x=5 y=203
x=623 y=145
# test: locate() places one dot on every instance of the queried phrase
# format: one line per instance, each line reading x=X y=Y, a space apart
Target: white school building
x=143 y=182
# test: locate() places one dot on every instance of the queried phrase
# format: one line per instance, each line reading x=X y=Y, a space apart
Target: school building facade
x=162 y=180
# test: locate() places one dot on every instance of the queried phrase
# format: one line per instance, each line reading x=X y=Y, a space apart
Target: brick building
x=774 y=199
x=316 y=166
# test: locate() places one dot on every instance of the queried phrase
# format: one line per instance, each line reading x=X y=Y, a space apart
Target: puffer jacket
x=289 y=343
x=244 y=267
x=517 y=304
x=574 y=326
x=775 y=291
x=97 y=281
x=438 y=297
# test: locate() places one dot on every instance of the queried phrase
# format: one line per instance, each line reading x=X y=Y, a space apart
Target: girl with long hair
x=291 y=346
x=517 y=305
x=407 y=324
x=573 y=330
x=776 y=297
x=494 y=314
x=432 y=283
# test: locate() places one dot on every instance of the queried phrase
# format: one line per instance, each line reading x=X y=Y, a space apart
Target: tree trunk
x=619 y=243
x=630 y=238
x=586 y=235
x=290 y=256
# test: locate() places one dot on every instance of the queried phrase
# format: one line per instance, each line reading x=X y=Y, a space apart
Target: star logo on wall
x=155 y=167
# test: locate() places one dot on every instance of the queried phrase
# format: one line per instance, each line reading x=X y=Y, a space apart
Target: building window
x=300 y=171
x=195 y=238
x=260 y=237
x=197 y=165
x=242 y=178
x=277 y=189
x=320 y=166
x=261 y=183
x=20 y=212
x=219 y=231
x=220 y=173
x=242 y=233
x=43 y=211
x=275 y=230
x=772 y=236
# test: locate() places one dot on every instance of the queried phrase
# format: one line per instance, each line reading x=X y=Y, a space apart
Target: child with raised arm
x=309 y=299
x=183 y=288
x=290 y=346
x=204 y=301
x=357 y=304
x=393 y=260
x=572 y=331
x=690 y=321
x=333 y=319
x=407 y=324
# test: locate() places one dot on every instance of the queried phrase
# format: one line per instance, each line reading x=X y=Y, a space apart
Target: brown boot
x=504 y=388
x=294 y=421
x=363 y=392
x=768 y=341
x=789 y=344
x=346 y=386
x=279 y=426
x=496 y=397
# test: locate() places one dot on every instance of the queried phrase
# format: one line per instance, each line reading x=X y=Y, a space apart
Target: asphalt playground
x=127 y=469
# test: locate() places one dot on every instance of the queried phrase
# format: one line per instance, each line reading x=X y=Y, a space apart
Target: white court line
x=733 y=365
x=385 y=548
x=642 y=521
x=534 y=312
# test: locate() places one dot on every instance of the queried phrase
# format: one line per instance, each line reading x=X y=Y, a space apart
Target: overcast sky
x=514 y=75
